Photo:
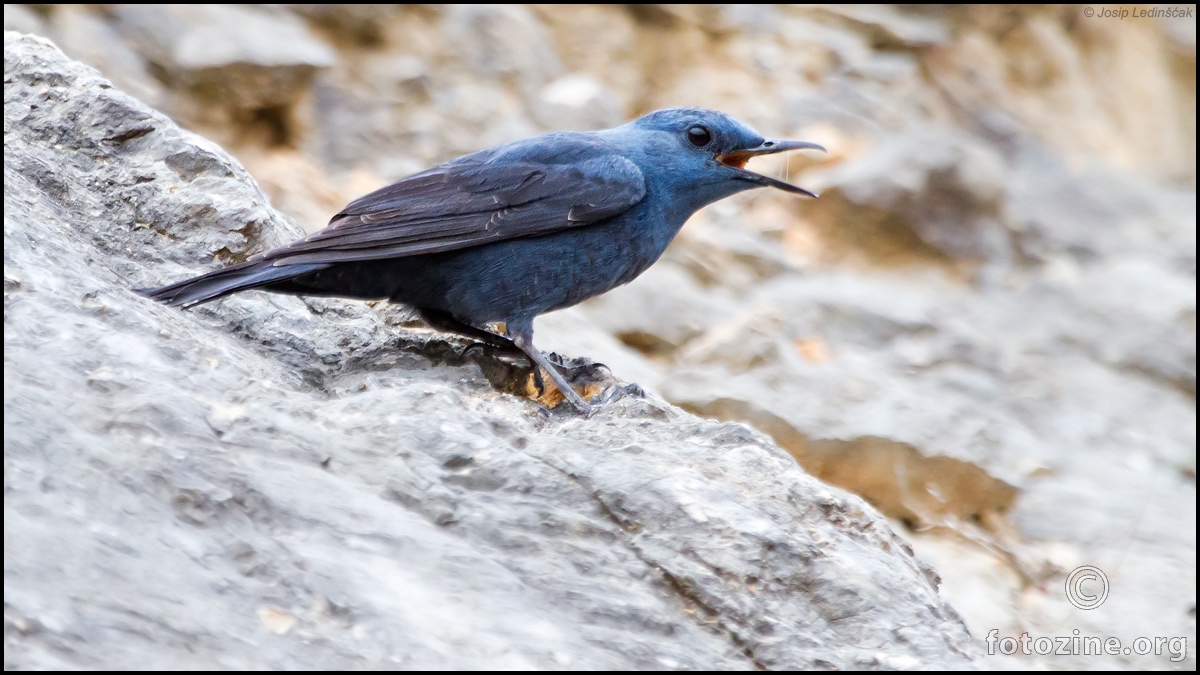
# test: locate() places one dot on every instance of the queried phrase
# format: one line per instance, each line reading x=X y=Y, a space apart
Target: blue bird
x=514 y=231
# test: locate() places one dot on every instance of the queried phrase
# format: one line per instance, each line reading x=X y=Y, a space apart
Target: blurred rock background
x=985 y=326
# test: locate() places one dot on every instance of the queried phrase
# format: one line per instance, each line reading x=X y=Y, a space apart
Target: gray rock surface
x=252 y=57
x=86 y=36
x=1043 y=410
x=985 y=327
x=270 y=482
x=226 y=67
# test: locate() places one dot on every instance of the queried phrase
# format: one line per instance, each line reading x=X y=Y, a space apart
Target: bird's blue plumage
x=514 y=231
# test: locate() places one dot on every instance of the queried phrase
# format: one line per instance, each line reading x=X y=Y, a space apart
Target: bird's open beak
x=738 y=158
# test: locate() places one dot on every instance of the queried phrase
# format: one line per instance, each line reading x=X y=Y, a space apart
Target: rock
x=891 y=28
x=249 y=64
x=659 y=312
x=204 y=45
x=23 y=20
x=1077 y=84
x=945 y=188
x=1030 y=334
x=988 y=412
x=361 y=23
x=270 y=482
x=745 y=340
x=87 y=37
x=578 y=102
x=1055 y=212
x=498 y=41
x=725 y=246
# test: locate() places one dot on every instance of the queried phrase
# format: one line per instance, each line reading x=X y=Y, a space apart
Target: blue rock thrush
x=514 y=231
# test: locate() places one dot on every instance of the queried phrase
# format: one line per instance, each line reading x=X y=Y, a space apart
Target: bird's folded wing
x=463 y=204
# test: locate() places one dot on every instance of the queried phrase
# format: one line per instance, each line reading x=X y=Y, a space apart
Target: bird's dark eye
x=699 y=136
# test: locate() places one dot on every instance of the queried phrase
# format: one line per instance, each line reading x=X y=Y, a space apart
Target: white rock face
x=275 y=483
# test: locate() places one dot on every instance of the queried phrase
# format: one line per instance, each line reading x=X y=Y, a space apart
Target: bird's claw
x=611 y=394
x=618 y=392
x=539 y=382
x=574 y=409
x=579 y=404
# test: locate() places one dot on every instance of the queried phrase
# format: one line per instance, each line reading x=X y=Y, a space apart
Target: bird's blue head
x=705 y=153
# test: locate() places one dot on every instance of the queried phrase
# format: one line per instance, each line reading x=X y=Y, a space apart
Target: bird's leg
x=538 y=381
x=445 y=322
x=521 y=334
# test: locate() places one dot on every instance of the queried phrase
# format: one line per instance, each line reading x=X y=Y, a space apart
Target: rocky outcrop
x=271 y=482
x=985 y=326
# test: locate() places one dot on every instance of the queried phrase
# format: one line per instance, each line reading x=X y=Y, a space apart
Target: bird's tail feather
x=222 y=282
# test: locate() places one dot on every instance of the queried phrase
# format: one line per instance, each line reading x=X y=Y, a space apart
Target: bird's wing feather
x=468 y=203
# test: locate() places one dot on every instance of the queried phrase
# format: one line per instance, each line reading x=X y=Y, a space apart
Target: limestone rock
x=269 y=482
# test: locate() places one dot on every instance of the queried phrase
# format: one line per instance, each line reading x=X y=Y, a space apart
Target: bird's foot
x=594 y=401
x=578 y=367
x=553 y=397
x=577 y=380
x=617 y=392
x=588 y=408
x=565 y=407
